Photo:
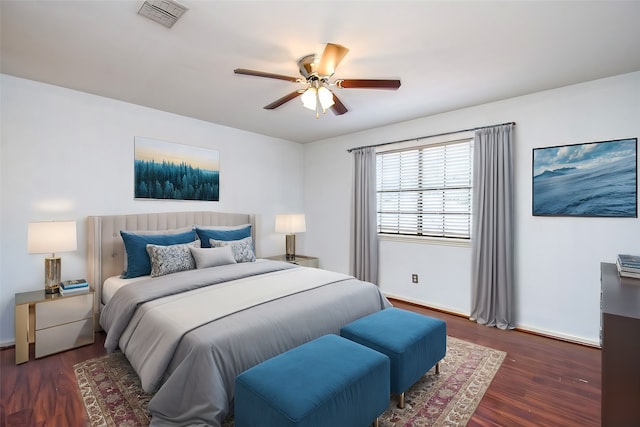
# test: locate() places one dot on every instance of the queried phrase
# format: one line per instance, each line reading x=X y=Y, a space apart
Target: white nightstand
x=53 y=322
x=301 y=260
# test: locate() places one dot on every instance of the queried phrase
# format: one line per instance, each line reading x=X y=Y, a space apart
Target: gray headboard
x=105 y=248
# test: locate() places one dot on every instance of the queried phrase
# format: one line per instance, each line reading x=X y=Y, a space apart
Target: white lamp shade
x=309 y=98
x=52 y=236
x=326 y=97
x=290 y=224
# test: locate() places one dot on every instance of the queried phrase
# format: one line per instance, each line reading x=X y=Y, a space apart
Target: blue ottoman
x=414 y=343
x=329 y=381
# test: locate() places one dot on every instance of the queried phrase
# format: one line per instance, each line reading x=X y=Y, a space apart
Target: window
x=426 y=191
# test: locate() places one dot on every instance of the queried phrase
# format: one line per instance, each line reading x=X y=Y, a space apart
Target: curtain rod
x=429 y=136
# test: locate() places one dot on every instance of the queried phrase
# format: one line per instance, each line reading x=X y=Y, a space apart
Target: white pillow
x=212 y=257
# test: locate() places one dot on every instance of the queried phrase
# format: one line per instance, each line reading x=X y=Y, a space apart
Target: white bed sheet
x=113 y=283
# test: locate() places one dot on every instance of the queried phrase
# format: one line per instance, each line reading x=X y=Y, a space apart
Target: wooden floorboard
x=542 y=381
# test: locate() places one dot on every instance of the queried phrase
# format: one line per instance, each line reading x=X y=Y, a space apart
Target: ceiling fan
x=316 y=72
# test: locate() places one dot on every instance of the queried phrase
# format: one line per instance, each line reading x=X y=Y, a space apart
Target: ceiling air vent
x=165 y=12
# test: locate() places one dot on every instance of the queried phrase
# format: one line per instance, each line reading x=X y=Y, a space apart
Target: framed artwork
x=594 y=179
x=166 y=170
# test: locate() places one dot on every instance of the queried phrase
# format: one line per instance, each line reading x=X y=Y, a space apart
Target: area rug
x=113 y=396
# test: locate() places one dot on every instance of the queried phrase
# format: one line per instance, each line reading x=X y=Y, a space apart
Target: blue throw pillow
x=138 y=263
x=205 y=234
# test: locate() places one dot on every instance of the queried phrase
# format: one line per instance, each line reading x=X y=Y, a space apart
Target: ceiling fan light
x=326 y=97
x=309 y=98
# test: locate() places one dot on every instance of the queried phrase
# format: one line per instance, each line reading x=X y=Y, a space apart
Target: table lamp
x=290 y=224
x=51 y=237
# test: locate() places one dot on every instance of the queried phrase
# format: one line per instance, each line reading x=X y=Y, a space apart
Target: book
x=77 y=283
x=622 y=268
x=629 y=262
x=73 y=291
x=74 y=287
x=626 y=273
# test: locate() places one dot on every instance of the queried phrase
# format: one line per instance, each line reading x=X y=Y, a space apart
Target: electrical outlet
x=414 y=278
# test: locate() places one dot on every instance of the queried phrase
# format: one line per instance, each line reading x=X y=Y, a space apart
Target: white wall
x=67 y=155
x=557 y=259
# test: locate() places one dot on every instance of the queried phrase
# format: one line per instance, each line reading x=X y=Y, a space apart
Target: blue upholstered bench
x=414 y=343
x=329 y=381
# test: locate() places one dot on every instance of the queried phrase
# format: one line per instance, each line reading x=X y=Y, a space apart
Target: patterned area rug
x=113 y=396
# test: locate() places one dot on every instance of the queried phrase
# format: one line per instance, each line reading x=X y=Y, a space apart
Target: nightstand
x=301 y=260
x=53 y=322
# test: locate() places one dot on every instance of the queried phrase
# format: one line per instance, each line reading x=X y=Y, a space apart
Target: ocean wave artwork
x=597 y=179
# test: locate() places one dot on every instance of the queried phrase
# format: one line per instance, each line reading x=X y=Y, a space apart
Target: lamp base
x=290 y=245
x=52 y=268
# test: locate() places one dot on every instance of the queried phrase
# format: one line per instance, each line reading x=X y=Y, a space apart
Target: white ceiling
x=448 y=54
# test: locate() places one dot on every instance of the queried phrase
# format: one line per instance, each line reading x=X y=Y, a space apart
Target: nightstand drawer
x=64 y=310
x=63 y=337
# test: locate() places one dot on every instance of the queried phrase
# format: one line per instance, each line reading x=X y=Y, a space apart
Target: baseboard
x=558 y=336
x=7 y=346
x=520 y=328
x=447 y=310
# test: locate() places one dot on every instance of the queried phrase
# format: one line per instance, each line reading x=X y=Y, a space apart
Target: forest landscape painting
x=597 y=179
x=166 y=170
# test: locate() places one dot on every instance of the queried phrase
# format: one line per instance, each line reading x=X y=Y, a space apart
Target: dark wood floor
x=542 y=382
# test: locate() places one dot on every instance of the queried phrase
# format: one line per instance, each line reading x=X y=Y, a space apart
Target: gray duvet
x=196 y=386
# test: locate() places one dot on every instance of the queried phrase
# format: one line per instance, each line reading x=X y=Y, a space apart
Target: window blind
x=426 y=191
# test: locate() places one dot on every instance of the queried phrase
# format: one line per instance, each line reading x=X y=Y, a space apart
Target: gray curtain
x=492 y=239
x=364 y=237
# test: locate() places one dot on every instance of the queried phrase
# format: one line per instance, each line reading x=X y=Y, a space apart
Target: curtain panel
x=364 y=237
x=492 y=230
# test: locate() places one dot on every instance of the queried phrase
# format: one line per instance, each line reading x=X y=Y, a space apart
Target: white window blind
x=426 y=191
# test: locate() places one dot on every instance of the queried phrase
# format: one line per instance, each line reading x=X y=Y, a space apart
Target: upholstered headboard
x=105 y=248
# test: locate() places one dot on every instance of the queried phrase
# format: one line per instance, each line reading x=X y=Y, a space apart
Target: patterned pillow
x=242 y=249
x=171 y=259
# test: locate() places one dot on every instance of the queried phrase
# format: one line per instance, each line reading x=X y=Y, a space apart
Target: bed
x=188 y=334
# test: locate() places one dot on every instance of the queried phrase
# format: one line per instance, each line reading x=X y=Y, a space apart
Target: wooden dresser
x=620 y=341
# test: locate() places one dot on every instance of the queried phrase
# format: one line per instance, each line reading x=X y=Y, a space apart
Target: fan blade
x=286 y=98
x=263 y=74
x=368 y=84
x=338 y=107
x=331 y=57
